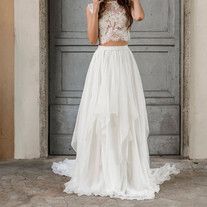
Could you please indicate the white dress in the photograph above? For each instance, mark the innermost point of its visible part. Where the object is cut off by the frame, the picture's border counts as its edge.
(111, 130)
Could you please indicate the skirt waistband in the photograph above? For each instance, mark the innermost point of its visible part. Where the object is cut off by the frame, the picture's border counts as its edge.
(122, 47)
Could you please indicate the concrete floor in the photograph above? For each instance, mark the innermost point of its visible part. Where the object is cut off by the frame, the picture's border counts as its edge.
(28, 183)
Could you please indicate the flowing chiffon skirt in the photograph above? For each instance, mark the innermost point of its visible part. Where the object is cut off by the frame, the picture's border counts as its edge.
(111, 131)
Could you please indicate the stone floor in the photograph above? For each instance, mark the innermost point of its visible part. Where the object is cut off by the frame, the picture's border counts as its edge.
(28, 183)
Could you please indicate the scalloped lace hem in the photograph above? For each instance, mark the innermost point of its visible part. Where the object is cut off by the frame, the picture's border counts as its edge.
(141, 195)
(157, 177)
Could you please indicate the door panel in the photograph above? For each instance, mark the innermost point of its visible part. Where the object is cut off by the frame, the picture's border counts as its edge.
(155, 43)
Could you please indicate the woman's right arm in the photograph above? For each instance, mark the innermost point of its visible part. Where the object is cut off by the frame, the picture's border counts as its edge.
(137, 10)
(92, 21)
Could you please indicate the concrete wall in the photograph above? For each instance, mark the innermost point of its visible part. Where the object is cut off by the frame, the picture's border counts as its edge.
(27, 100)
(6, 79)
(198, 81)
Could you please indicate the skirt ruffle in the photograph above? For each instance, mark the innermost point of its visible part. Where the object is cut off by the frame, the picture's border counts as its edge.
(111, 131)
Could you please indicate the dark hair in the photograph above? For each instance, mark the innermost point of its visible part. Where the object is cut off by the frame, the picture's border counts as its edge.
(124, 3)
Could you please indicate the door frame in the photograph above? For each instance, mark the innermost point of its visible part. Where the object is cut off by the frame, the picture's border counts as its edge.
(185, 41)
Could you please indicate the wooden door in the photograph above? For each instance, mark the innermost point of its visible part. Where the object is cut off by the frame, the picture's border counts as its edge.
(155, 43)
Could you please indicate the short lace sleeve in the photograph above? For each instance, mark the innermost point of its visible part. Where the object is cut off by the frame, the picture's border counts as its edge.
(90, 7)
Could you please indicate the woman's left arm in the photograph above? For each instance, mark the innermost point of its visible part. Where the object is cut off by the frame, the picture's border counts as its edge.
(137, 11)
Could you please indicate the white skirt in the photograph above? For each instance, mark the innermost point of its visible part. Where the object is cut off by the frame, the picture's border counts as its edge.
(111, 131)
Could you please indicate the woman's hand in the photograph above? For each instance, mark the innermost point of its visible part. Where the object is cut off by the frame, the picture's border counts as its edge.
(96, 5)
(135, 0)
(137, 10)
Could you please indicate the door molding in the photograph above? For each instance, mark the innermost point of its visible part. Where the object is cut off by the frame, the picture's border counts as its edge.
(44, 82)
(186, 41)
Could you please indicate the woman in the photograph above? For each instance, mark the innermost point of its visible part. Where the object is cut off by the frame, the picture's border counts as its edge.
(111, 130)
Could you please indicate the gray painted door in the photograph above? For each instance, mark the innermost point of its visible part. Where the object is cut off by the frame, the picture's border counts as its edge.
(155, 43)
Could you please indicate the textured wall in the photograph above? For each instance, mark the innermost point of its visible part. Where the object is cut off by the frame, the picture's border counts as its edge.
(43, 78)
(6, 79)
(27, 87)
(198, 81)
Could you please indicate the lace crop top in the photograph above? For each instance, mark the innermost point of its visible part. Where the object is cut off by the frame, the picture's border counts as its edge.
(112, 24)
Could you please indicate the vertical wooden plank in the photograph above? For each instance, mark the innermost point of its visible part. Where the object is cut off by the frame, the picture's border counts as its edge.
(6, 79)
